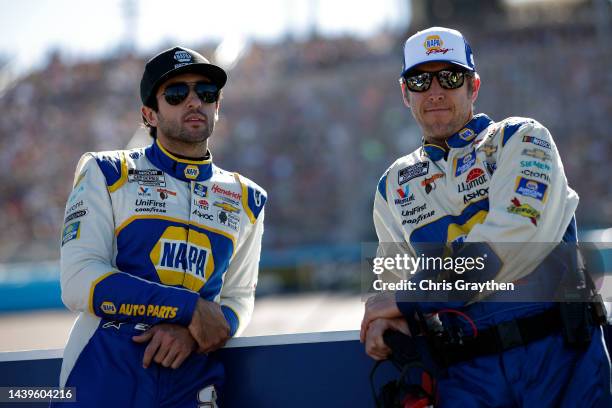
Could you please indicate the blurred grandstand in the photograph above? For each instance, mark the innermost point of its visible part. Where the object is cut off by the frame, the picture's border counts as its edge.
(315, 122)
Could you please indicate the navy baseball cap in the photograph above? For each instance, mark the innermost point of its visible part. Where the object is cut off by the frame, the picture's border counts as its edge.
(174, 61)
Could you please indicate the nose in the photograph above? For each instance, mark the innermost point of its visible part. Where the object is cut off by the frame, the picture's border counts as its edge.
(436, 92)
(193, 100)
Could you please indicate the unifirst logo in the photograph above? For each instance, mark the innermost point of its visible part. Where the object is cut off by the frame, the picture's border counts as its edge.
(433, 45)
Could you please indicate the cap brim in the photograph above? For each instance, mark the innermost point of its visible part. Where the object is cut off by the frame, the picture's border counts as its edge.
(440, 60)
(216, 75)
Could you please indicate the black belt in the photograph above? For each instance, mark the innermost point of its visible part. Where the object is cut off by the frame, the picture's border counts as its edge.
(499, 338)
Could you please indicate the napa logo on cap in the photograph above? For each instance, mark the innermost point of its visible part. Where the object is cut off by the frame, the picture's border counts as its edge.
(182, 56)
(434, 45)
(192, 172)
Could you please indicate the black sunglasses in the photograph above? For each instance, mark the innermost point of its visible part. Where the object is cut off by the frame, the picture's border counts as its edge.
(447, 78)
(178, 92)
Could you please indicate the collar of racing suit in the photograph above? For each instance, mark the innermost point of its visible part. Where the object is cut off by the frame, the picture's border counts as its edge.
(462, 138)
(182, 169)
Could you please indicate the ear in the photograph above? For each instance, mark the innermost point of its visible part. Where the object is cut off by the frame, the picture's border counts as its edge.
(405, 95)
(150, 115)
(475, 87)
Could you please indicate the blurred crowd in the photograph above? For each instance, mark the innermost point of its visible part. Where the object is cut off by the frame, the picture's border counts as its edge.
(313, 122)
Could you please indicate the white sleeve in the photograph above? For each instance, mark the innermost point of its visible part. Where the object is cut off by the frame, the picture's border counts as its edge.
(238, 291)
(529, 201)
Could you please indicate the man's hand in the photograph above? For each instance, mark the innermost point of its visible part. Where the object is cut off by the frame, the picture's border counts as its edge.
(383, 306)
(169, 345)
(208, 326)
(375, 346)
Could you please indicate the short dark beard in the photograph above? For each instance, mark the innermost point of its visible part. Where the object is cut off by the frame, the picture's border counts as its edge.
(175, 131)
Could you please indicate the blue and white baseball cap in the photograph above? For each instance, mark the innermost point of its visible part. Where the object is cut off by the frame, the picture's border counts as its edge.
(438, 44)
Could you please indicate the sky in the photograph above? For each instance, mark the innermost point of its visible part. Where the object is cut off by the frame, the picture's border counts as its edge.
(29, 29)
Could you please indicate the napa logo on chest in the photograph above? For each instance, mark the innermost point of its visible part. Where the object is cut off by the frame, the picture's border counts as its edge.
(183, 257)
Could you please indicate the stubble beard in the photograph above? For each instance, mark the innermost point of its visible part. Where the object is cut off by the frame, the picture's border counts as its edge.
(180, 133)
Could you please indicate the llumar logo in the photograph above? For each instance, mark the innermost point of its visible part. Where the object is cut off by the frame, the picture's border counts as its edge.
(434, 45)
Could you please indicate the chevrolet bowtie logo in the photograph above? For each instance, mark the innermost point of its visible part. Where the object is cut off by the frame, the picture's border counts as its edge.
(537, 153)
(488, 149)
(227, 207)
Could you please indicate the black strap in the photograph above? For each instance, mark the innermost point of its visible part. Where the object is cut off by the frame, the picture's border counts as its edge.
(504, 336)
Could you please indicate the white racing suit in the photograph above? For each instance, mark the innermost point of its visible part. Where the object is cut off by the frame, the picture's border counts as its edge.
(147, 233)
(497, 183)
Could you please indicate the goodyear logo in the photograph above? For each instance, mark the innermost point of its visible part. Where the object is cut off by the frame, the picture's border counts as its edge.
(434, 45)
(108, 308)
(192, 172)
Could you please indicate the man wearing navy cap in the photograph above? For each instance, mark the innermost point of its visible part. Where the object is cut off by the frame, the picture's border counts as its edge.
(474, 186)
(160, 251)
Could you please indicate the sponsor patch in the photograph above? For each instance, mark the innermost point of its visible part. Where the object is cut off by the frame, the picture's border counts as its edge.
(481, 192)
(192, 172)
(488, 149)
(536, 141)
(203, 215)
(531, 188)
(108, 308)
(537, 164)
(476, 177)
(144, 191)
(228, 219)
(524, 210)
(408, 173)
(150, 206)
(166, 195)
(74, 207)
(71, 232)
(466, 134)
(404, 195)
(217, 189)
(201, 203)
(226, 207)
(74, 215)
(147, 177)
(537, 154)
(536, 174)
(463, 164)
(415, 210)
(430, 183)
(434, 45)
(200, 190)
(420, 218)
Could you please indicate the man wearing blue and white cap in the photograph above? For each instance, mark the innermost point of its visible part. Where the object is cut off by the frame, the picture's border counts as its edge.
(474, 186)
